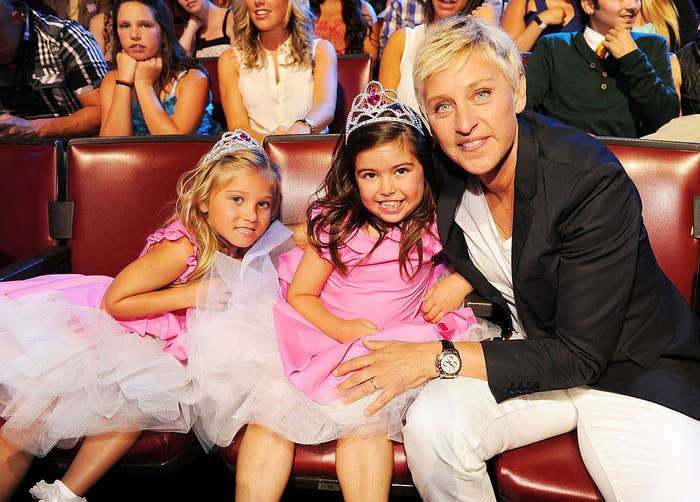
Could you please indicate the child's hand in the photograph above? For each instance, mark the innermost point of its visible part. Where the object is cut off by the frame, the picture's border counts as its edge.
(356, 328)
(126, 67)
(189, 294)
(445, 296)
(148, 71)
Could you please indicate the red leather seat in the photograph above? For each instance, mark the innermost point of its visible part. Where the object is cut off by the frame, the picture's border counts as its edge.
(28, 170)
(212, 67)
(354, 73)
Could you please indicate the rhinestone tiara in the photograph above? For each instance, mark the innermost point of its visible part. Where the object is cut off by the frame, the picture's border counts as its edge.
(233, 141)
(376, 104)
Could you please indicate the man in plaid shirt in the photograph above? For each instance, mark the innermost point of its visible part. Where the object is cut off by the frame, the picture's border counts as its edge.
(50, 71)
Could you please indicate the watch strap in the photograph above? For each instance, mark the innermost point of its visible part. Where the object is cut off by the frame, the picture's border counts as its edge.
(542, 25)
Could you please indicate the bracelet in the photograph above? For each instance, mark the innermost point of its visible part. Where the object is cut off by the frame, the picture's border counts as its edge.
(130, 85)
(542, 25)
(312, 128)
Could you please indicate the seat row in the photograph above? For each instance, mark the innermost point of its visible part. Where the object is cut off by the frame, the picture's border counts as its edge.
(87, 209)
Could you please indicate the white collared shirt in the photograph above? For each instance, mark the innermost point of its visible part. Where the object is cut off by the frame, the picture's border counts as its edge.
(592, 38)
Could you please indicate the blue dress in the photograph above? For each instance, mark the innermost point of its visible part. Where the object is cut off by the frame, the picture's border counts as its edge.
(207, 126)
(575, 24)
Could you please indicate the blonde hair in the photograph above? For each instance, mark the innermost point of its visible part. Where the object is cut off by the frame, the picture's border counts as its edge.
(663, 14)
(299, 22)
(198, 185)
(450, 42)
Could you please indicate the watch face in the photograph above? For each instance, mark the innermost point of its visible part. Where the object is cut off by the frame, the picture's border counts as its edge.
(450, 363)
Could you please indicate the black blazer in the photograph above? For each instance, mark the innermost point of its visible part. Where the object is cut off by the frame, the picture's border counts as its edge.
(595, 305)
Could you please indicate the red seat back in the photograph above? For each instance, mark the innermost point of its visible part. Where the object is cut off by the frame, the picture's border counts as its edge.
(354, 73)
(303, 161)
(123, 189)
(28, 170)
(211, 65)
(667, 176)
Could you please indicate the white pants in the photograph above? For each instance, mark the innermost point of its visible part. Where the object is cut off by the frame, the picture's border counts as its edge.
(634, 450)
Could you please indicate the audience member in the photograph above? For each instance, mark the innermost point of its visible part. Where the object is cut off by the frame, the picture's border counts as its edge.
(396, 66)
(604, 79)
(542, 220)
(663, 18)
(350, 25)
(411, 13)
(81, 11)
(689, 58)
(209, 28)
(50, 70)
(527, 20)
(155, 88)
(278, 78)
(104, 358)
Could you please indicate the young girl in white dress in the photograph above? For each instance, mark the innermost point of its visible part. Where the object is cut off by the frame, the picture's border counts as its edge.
(103, 358)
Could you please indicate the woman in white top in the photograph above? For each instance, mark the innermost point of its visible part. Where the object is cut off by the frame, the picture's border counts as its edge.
(396, 65)
(277, 79)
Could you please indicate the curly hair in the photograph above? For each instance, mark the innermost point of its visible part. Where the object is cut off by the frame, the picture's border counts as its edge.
(199, 184)
(338, 213)
(299, 21)
(172, 53)
(357, 26)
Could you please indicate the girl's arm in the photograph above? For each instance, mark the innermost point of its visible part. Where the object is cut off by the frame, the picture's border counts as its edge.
(115, 99)
(513, 22)
(236, 113)
(445, 296)
(325, 90)
(303, 294)
(390, 64)
(371, 43)
(188, 39)
(192, 96)
(138, 290)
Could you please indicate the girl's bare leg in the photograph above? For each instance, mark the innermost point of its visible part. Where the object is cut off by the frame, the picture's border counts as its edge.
(263, 466)
(14, 464)
(364, 466)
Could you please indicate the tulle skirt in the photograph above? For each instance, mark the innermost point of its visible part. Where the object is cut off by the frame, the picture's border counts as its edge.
(68, 371)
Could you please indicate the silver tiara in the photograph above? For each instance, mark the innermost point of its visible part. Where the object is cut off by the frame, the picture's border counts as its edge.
(377, 104)
(231, 142)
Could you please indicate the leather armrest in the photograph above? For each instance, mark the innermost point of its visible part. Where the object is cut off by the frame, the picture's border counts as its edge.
(481, 306)
(55, 259)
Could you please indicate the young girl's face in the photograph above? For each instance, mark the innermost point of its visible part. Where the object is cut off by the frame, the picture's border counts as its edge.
(139, 32)
(240, 211)
(268, 15)
(390, 180)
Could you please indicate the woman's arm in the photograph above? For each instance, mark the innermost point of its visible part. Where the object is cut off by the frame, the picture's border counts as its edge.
(192, 98)
(325, 90)
(138, 290)
(115, 99)
(236, 113)
(303, 294)
(188, 39)
(371, 43)
(390, 64)
(513, 22)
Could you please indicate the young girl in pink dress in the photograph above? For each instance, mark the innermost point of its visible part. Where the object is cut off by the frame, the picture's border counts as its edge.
(372, 269)
(103, 358)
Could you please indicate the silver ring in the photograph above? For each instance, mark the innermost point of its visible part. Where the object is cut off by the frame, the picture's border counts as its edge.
(371, 380)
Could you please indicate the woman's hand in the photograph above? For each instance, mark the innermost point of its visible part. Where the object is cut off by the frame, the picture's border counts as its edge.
(393, 367)
(484, 11)
(553, 16)
(445, 296)
(126, 67)
(148, 72)
(298, 128)
(193, 24)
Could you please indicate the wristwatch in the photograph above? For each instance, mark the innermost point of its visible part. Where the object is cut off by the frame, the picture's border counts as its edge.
(539, 22)
(312, 128)
(448, 362)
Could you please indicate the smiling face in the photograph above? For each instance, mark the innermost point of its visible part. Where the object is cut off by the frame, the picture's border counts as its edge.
(611, 13)
(447, 8)
(390, 180)
(268, 15)
(472, 112)
(139, 32)
(241, 210)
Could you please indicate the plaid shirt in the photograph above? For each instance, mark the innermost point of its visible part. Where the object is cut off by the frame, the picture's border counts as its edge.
(400, 14)
(56, 61)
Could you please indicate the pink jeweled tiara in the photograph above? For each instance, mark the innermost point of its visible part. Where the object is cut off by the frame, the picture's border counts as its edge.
(231, 142)
(377, 104)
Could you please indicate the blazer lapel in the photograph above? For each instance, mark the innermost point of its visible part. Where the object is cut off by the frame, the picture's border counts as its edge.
(525, 190)
(450, 196)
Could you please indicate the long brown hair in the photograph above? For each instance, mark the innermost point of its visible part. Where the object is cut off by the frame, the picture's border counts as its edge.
(338, 213)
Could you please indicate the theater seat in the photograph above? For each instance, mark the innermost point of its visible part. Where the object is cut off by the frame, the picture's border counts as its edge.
(354, 73)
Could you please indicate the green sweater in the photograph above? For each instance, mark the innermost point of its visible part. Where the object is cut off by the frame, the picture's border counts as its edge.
(629, 97)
